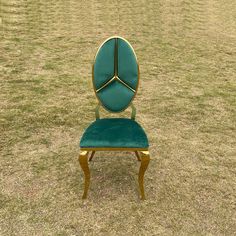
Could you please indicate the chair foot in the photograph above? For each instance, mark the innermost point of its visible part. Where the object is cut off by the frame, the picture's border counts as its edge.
(145, 158)
(83, 160)
(92, 154)
(137, 155)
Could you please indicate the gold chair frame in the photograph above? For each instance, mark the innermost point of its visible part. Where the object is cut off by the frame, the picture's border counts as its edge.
(142, 154)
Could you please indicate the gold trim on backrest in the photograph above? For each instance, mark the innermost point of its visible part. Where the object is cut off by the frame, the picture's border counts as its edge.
(135, 91)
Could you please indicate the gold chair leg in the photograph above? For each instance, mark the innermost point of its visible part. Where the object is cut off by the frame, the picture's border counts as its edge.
(137, 155)
(92, 154)
(83, 160)
(145, 158)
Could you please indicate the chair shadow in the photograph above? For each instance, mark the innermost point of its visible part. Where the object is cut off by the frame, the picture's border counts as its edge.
(113, 174)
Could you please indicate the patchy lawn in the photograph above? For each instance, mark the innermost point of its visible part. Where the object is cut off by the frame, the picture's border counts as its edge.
(186, 102)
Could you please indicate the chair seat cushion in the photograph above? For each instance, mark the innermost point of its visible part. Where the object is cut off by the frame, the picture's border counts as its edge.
(114, 133)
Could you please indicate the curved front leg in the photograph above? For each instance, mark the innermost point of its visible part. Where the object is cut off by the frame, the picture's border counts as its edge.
(83, 160)
(145, 158)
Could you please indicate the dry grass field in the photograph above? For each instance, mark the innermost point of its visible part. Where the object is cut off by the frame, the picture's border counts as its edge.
(186, 102)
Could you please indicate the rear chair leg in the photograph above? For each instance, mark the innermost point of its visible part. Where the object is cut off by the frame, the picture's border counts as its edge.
(145, 158)
(92, 154)
(83, 160)
(137, 155)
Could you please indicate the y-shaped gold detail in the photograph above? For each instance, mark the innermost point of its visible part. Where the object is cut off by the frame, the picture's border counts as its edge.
(108, 82)
(112, 79)
(125, 84)
(83, 160)
(115, 77)
(145, 158)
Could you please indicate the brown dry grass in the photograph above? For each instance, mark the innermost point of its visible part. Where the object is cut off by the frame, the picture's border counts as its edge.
(186, 103)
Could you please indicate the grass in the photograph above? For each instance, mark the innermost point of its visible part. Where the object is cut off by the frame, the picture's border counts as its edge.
(186, 102)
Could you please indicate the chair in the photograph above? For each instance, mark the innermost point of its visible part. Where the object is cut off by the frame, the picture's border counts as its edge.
(115, 81)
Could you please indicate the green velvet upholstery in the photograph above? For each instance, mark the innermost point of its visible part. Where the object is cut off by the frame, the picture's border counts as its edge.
(104, 64)
(116, 96)
(114, 133)
(127, 64)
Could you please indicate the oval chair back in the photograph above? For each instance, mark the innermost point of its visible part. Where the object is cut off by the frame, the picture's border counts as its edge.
(115, 74)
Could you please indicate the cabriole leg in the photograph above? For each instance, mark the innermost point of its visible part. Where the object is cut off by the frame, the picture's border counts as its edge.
(83, 160)
(145, 158)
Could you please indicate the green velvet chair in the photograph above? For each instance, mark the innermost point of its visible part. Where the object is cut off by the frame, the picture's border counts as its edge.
(115, 82)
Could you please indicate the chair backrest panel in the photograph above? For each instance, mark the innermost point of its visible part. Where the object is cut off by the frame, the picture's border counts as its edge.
(115, 74)
(104, 64)
(127, 64)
